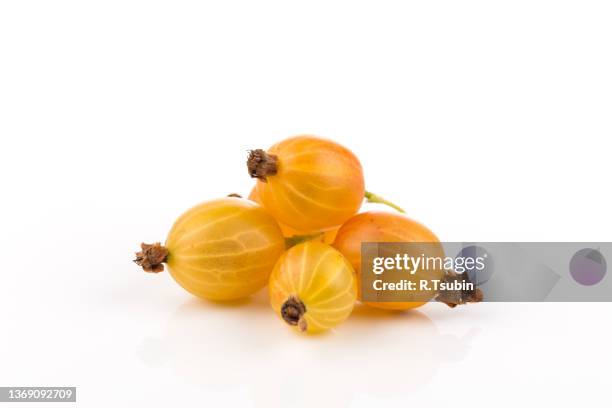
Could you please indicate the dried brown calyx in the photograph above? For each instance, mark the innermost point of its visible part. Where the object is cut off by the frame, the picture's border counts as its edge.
(261, 164)
(459, 296)
(152, 257)
(293, 311)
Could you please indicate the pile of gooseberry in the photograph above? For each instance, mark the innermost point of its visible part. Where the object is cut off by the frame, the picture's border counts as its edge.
(299, 232)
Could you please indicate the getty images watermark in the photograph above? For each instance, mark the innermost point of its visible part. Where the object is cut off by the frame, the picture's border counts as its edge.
(500, 271)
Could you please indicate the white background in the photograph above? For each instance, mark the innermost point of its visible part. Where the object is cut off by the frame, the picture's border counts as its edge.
(486, 120)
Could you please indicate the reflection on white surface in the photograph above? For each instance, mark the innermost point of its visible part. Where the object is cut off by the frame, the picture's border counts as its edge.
(224, 346)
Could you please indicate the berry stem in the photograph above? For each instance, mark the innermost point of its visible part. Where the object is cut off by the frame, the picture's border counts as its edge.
(375, 198)
(152, 257)
(298, 239)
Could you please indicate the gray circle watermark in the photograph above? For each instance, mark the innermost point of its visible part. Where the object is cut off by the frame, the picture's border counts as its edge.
(479, 276)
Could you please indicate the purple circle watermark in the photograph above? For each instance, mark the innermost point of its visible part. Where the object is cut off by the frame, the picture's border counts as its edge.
(588, 267)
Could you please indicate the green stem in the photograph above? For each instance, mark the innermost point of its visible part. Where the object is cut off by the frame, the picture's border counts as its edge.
(374, 198)
(298, 239)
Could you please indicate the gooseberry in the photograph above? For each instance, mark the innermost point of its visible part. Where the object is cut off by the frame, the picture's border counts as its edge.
(308, 183)
(377, 226)
(220, 250)
(313, 287)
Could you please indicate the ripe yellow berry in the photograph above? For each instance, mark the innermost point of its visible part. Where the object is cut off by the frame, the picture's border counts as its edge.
(313, 287)
(308, 183)
(220, 250)
(377, 226)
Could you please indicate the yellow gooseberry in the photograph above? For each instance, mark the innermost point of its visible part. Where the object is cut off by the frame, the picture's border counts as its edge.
(375, 226)
(324, 236)
(220, 250)
(308, 183)
(313, 287)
